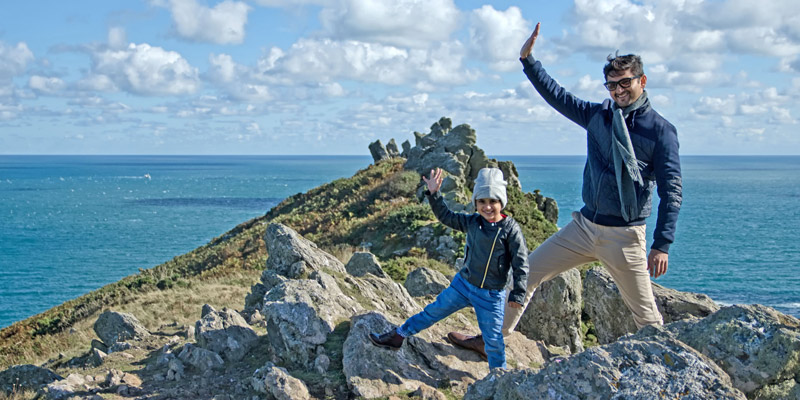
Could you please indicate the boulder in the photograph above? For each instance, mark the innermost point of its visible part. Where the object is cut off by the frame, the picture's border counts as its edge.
(612, 318)
(224, 332)
(200, 358)
(276, 382)
(255, 299)
(378, 152)
(66, 388)
(382, 295)
(554, 313)
(300, 315)
(26, 377)
(630, 368)
(96, 358)
(391, 149)
(112, 327)
(425, 281)
(293, 256)
(758, 347)
(362, 263)
(406, 148)
(425, 358)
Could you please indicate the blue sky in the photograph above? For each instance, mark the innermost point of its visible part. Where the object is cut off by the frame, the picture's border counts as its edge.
(331, 76)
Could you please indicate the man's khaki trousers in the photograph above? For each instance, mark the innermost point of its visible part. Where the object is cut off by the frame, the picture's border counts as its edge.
(620, 248)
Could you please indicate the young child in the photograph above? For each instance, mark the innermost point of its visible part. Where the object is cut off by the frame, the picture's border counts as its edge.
(494, 245)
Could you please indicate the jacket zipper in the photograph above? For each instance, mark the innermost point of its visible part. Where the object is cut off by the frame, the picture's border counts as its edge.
(486, 271)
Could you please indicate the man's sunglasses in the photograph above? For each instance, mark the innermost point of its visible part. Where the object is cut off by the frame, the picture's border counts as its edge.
(625, 83)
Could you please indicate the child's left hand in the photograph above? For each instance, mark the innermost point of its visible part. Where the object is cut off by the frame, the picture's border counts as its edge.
(435, 182)
(514, 304)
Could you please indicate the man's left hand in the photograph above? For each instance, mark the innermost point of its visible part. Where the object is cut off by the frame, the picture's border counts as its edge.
(657, 263)
(514, 304)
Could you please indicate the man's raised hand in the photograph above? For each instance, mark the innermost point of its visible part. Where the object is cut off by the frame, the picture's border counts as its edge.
(527, 48)
(435, 181)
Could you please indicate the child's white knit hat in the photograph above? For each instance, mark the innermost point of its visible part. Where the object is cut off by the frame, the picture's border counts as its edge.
(490, 185)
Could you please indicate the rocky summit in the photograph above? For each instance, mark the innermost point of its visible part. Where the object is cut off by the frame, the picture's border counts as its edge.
(281, 307)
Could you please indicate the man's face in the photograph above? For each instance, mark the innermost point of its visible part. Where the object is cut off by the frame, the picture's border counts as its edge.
(625, 96)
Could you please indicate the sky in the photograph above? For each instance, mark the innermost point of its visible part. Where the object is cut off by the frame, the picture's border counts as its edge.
(331, 76)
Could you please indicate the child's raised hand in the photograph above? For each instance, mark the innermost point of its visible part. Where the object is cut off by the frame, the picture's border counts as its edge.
(435, 181)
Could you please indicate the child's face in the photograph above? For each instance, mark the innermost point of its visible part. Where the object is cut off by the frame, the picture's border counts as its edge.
(490, 209)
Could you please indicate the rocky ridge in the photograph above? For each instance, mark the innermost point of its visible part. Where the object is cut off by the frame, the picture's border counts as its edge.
(301, 333)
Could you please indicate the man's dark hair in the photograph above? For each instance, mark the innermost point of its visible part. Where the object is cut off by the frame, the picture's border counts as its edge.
(618, 64)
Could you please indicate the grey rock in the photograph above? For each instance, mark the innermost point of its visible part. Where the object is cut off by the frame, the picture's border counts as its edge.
(406, 148)
(276, 382)
(425, 392)
(627, 369)
(26, 377)
(255, 299)
(425, 358)
(200, 358)
(382, 295)
(612, 318)
(65, 388)
(757, 346)
(96, 358)
(363, 263)
(176, 370)
(554, 313)
(96, 344)
(301, 313)
(550, 210)
(112, 327)
(293, 256)
(119, 346)
(225, 332)
(424, 281)
(378, 152)
(391, 149)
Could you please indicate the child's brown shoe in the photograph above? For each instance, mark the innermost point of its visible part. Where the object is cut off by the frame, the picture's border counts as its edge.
(389, 340)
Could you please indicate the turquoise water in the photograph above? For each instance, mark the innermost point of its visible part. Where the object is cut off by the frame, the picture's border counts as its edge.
(71, 224)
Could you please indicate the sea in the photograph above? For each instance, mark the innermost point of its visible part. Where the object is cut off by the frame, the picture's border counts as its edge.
(71, 224)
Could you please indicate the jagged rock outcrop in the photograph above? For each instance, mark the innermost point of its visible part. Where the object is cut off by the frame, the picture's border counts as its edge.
(758, 347)
(391, 149)
(224, 332)
(26, 377)
(547, 205)
(378, 152)
(425, 281)
(112, 327)
(424, 359)
(630, 368)
(363, 263)
(612, 318)
(293, 256)
(276, 382)
(554, 312)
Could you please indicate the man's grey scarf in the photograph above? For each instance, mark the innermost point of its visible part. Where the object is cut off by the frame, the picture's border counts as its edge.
(626, 166)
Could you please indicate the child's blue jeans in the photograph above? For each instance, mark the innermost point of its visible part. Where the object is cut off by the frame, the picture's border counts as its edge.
(489, 307)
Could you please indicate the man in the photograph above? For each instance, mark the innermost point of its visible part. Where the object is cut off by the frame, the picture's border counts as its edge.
(630, 149)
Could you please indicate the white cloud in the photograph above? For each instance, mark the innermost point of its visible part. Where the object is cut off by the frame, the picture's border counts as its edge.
(46, 85)
(495, 36)
(326, 60)
(144, 70)
(14, 59)
(407, 23)
(690, 38)
(222, 24)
